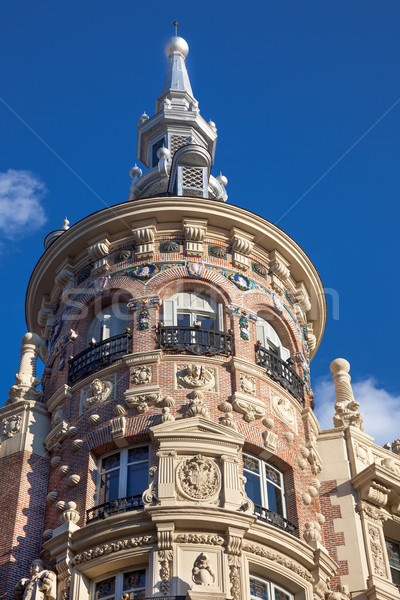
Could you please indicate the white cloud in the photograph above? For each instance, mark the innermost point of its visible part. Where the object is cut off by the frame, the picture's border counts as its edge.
(21, 209)
(380, 409)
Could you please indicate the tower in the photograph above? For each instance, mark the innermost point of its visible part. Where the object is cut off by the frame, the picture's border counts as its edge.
(174, 451)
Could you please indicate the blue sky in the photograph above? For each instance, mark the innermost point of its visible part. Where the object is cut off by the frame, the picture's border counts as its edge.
(291, 86)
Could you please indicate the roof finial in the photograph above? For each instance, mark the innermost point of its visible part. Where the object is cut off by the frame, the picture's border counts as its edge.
(176, 27)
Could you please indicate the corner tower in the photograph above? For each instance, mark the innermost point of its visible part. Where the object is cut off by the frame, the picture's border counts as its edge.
(176, 331)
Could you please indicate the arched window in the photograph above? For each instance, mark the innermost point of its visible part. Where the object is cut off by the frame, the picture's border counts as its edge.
(109, 322)
(191, 309)
(264, 486)
(270, 340)
(132, 583)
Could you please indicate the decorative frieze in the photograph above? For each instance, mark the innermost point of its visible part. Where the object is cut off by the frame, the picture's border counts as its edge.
(195, 231)
(196, 377)
(281, 559)
(111, 547)
(142, 398)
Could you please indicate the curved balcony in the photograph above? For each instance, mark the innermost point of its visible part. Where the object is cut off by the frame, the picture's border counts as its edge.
(280, 371)
(272, 518)
(102, 511)
(193, 340)
(98, 356)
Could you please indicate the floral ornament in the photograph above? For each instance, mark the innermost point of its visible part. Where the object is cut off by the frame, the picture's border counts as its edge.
(241, 281)
(244, 319)
(278, 304)
(244, 327)
(144, 317)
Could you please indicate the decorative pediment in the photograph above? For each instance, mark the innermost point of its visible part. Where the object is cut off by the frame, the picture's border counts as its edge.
(198, 430)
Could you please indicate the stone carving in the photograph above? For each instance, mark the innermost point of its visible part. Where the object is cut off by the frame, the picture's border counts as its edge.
(57, 415)
(165, 558)
(372, 512)
(312, 532)
(96, 393)
(56, 437)
(288, 436)
(197, 407)
(26, 380)
(202, 574)
(12, 425)
(150, 495)
(42, 584)
(166, 415)
(281, 559)
(283, 409)
(217, 251)
(396, 446)
(122, 255)
(247, 384)
(345, 406)
(94, 419)
(141, 400)
(73, 480)
(251, 408)
(199, 538)
(227, 419)
(376, 493)
(342, 593)
(70, 513)
(259, 269)
(118, 426)
(313, 456)
(195, 377)
(131, 542)
(142, 375)
(376, 551)
(170, 246)
(234, 563)
(270, 439)
(199, 478)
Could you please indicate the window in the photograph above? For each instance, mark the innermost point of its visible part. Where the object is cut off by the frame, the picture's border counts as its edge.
(393, 550)
(190, 309)
(124, 474)
(260, 589)
(132, 583)
(264, 486)
(111, 321)
(270, 340)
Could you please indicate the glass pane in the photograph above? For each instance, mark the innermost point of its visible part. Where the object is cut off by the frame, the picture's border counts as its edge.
(250, 463)
(206, 322)
(253, 488)
(137, 480)
(105, 588)
(111, 462)
(395, 577)
(134, 580)
(280, 595)
(183, 320)
(258, 589)
(272, 475)
(109, 486)
(136, 454)
(393, 550)
(275, 499)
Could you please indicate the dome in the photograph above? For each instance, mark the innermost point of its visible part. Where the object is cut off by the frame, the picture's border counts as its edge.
(176, 44)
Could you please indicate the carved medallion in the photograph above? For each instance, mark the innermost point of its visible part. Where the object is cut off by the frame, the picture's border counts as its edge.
(97, 393)
(11, 426)
(198, 478)
(283, 409)
(142, 375)
(247, 384)
(195, 377)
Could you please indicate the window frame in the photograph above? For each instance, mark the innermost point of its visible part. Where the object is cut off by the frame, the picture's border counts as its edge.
(118, 576)
(172, 308)
(271, 588)
(115, 326)
(391, 567)
(263, 465)
(270, 339)
(123, 469)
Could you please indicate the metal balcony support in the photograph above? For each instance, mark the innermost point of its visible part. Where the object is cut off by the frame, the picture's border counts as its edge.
(194, 340)
(274, 519)
(102, 511)
(98, 356)
(280, 371)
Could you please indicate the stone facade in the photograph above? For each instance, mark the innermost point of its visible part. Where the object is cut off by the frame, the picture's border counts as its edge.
(172, 450)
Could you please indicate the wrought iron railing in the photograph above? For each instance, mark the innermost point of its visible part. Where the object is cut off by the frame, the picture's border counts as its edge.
(194, 340)
(98, 356)
(274, 519)
(280, 371)
(102, 511)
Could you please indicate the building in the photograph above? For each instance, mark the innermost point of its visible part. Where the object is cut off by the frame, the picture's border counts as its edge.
(173, 450)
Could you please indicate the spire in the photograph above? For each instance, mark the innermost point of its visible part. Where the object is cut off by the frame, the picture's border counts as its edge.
(176, 77)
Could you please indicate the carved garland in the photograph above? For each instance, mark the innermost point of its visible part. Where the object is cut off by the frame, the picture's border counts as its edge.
(280, 559)
(133, 542)
(196, 538)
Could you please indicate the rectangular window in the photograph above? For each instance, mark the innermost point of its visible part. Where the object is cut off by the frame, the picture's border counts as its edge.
(132, 583)
(261, 589)
(124, 474)
(393, 550)
(264, 485)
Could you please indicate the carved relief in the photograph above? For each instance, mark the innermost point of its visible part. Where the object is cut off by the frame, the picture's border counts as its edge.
(150, 495)
(12, 425)
(42, 584)
(283, 409)
(371, 512)
(131, 542)
(198, 478)
(251, 408)
(142, 375)
(57, 415)
(376, 551)
(281, 559)
(202, 574)
(197, 377)
(141, 400)
(199, 538)
(165, 559)
(248, 384)
(362, 453)
(96, 393)
(197, 407)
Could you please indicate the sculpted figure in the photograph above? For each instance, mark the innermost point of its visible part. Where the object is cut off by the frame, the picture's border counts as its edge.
(42, 584)
(97, 393)
(196, 377)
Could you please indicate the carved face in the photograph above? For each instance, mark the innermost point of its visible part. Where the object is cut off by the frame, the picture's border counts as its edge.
(97, 387)
(36, 567)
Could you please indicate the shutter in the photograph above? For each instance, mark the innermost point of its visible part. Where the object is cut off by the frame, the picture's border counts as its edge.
(261, 334)
(220, 324)
(169, 312)
(285, 353)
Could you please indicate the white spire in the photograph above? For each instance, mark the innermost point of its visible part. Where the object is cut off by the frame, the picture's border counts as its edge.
(176, 77)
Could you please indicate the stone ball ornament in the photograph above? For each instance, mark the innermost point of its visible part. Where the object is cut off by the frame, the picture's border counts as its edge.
(176, 44)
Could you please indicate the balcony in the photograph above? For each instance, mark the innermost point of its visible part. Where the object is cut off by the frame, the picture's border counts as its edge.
(280, 371)
(102, 511)
(98, 356)
(268, 516)
(193, 340)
